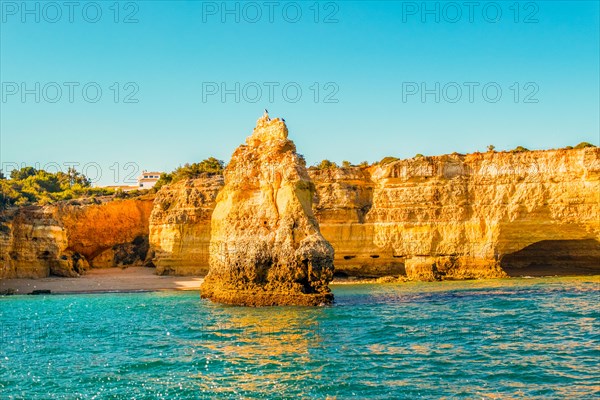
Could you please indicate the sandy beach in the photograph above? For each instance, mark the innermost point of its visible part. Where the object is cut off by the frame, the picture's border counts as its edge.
(104, 280)
(132, 279)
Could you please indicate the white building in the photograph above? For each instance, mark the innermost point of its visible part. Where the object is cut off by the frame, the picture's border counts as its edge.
(148, 179)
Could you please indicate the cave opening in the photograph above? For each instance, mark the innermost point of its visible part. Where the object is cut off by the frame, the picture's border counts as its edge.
(340, 274)
(554, 257)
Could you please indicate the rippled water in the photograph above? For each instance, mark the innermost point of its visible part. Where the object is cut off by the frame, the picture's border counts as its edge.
(521, 338)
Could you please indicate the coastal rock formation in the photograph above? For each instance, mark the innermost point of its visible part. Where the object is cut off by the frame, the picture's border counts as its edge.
(67, 238)
(480, 215)
(180, 225)
(461, 217)
(265, 247)
(464, 216)
(33, 243)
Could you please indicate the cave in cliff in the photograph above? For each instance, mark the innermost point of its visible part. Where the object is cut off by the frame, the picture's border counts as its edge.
(554, 257)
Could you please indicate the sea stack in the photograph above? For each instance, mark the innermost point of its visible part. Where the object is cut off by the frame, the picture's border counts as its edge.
(266, 248)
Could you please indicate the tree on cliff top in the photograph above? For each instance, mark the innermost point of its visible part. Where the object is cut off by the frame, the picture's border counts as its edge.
(210, 166)
(387, 160)
(325, 164)
(31, 186)
(73, 177)
(23, 173)
(583, 145)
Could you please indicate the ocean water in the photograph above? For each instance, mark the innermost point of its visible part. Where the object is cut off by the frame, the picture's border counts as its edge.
(517, 338)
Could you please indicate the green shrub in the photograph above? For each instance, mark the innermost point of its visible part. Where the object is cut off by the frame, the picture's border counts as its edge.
(387, 160)
(23, 173)
(519, 149)
(326, 164)
(210, 166)
(583, 145)
(30, 186)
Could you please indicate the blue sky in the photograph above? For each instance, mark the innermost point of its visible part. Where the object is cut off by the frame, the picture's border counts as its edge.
(369, 60)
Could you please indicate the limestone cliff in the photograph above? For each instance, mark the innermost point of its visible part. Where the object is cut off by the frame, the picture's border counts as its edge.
(66, 238)
(180, 225)
(443, 217)
(459, 217)
(34, 246)
(448, 217)
(265, 247)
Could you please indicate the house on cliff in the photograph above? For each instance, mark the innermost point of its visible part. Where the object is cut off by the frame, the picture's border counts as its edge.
(148, 179)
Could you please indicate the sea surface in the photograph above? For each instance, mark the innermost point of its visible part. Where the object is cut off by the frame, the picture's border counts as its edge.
(496, 339)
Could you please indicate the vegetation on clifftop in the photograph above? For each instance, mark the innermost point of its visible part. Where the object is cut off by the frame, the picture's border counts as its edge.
(387, 160)
(325, 164)
(32, 186)
(583, 145)
(210, 166)
(519, 149)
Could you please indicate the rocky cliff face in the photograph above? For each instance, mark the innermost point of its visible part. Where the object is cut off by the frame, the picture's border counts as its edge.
(180, 225)
(445, 217)
(453, 216)
(266, 248)
(67, 238)
(34, 246)
(460, 217)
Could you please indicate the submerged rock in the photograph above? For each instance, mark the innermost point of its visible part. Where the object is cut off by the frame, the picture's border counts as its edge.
(266, 247)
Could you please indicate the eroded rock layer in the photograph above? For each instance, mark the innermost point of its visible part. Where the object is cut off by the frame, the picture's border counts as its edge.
(456, 217)
(67, 238)
(443, 217)
(180, 225)
(266, 248)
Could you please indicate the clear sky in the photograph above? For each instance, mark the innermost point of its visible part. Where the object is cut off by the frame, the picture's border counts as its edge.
(362, 68)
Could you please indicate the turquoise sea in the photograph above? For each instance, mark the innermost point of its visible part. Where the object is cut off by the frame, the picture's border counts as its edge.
(496, 339)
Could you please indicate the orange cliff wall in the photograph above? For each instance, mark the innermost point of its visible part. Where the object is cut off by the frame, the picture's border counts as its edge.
(66, 238)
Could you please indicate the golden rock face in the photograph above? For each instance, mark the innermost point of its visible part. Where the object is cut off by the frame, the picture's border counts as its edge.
(461, 217)
(481, 215)
(180, 225)
(444, 217)
(265, 247)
